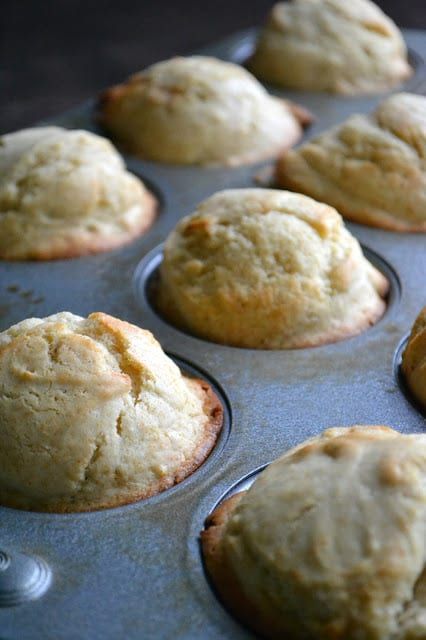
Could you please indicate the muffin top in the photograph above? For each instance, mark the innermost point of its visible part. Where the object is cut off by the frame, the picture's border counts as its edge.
(340, 558)
(93, 414)
(66, 193)
(268, 269)
(331, 45)
(414, 359)
(371, 167)
(198, 110)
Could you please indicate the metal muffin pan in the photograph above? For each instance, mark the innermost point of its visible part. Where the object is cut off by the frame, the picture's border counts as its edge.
(135, 572)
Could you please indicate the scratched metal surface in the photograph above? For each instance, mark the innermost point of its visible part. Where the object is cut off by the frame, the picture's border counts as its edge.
(135, 572)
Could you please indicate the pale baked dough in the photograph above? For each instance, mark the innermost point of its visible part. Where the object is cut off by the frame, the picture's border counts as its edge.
(372, 168)
(66, 193)
(198, 110)
(93, 414)
(267, 269)
(330, 541)
(340, 46)
(414, 359)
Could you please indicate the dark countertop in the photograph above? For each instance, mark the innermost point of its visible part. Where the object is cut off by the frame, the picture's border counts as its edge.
(56, 54)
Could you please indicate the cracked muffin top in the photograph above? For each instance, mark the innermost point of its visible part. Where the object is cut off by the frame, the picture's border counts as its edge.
(340, 46)
(261, 268)
(93, 414)
(66, 193)
(330, 541)
(414, 359)
(372, 168)
(199, 110)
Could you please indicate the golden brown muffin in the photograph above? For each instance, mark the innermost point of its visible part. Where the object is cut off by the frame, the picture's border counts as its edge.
(66, 193)
(93, 414)
(414, 359)
(199, 110)
(331, 45)
(372, 168)
(268, 269)
(330, 541)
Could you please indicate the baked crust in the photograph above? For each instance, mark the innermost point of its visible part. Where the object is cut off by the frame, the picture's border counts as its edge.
(95, 415)
(65, 194)
(414, 359)
(76, 244)
(371, 168)
(223, 579)
(182, 111)
(264, 269)
(339, 47)
(214, 422)
(340, 561)
(329, 192)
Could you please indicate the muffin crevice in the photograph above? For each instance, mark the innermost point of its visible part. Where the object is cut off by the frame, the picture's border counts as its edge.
(371, 167)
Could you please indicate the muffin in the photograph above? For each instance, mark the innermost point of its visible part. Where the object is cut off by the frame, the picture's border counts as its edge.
(199, 110)
(269, 269)
(93, 414)
(414, 360)
(66, 193)
(331, 45)
(330, 541)
(372, 168)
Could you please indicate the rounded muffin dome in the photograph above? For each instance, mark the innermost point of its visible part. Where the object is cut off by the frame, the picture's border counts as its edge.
(66, 193)
(371, 167)
(331, 45)
(330, 541)
(198, 110)
(93, 414)
(414, 359)
(260, 268)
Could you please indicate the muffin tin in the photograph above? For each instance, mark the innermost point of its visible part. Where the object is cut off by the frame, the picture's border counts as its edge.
(136, 572)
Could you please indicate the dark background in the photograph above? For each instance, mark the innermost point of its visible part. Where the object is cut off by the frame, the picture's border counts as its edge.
(55, 54)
